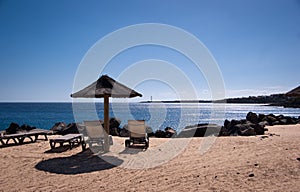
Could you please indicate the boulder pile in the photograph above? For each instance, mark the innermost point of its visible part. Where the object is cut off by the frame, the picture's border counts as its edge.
(62, 128)
(167, 133)
(254, 124)
(14, 128)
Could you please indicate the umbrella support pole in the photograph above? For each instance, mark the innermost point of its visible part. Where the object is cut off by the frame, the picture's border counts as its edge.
(106, 122)
(106, 87)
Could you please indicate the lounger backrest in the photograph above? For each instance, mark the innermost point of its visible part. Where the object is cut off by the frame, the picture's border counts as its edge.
(137, 128)
(94, 129)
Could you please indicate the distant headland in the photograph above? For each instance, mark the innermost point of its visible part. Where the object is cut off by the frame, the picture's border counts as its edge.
(289, 99)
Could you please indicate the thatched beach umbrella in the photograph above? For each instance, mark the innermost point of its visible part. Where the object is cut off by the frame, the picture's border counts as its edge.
(106, 87)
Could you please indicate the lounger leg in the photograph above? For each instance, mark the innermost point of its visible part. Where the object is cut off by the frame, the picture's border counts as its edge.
(83, 145)
(8, 141)
(21, 140)
(71, 144)
(36, 137)
(16, 142)
(52, 144)
(32, 140)
(82, 142)
(2, 142)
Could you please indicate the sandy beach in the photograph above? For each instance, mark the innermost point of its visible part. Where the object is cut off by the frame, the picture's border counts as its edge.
(255, 163)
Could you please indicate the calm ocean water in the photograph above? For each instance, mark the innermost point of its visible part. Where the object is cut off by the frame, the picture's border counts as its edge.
(157, 115)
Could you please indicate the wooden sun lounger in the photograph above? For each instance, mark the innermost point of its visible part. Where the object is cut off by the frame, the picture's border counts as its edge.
(96, 134)
(71, 139)
(19, 138)
(137, 133)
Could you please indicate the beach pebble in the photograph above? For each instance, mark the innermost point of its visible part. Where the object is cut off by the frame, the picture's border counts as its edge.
(251, 175)
(264, 137)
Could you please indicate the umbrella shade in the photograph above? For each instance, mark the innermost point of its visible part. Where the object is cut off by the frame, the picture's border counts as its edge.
(106, 86)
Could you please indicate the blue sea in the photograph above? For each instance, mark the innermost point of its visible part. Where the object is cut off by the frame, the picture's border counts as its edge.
(157, 115)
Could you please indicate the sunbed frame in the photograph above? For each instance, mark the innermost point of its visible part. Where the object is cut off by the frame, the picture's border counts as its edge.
(71, 139)
(18, 138)
(137, 133)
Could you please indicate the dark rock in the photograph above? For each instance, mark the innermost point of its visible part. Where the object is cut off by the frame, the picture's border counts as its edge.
(259, 129)
(27, 127)
(263, 123)
(114, 126)
(114, 131)
(261, 117)
(295, 120)
(160, 134)
(286, 120)
(62, 129)
(290, 120)
(252, 117)
(271, 115)
(230, 129)
(58, 127)
(234, 122)
(71, 128)
(248, 132)
(114, 122)
(170, 132)
(244, 121)
(244, 129)
(276, 123)
(124, 132)
(283, 121)
(280, 117)
(13, 128)
(271, 119)
(224, 131)
(226, 123)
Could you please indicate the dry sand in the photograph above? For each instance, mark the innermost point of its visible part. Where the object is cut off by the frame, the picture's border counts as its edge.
(230, 164)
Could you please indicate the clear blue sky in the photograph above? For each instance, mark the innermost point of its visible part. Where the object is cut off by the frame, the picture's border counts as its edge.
(255, 42)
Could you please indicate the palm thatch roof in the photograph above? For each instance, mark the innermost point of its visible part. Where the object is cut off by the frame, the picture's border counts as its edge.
(106, 86)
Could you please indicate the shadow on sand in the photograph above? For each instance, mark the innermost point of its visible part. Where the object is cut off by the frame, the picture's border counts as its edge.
(15, 144)
(135, 149)
(60, 149)
(83, 162)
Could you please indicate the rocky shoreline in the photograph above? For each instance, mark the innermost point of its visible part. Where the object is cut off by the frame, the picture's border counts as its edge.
(253, 124)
